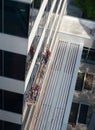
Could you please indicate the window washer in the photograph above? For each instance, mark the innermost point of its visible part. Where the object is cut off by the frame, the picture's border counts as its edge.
(32, 51)
(48, 53)
(35, 94)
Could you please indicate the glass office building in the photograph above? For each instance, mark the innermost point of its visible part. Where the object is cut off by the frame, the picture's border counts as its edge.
(26, 24)
(21, 22)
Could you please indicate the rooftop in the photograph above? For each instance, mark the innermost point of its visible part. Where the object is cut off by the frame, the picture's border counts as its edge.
(78, 27)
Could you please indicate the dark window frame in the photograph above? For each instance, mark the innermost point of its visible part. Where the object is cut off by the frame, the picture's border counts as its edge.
(86, 55)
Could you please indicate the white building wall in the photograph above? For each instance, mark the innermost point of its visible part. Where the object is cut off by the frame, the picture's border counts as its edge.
(12, 85)
(13, 44)
(10, 117)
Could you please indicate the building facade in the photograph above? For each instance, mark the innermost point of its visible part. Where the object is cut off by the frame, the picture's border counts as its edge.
(26, 27)
(23, 23)
(14, 21)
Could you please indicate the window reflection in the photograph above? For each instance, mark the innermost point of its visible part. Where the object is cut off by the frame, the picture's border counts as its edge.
(83, 114)
(88, 82)
(4, 125)
(0, 15)
(91, 55)
(0, 62)
(11, 126)
(88, 55)
(11, 101)
(84, 54)
(80, 80)
(0, 99)
(14, 65)
(16, 17)
(73, 113)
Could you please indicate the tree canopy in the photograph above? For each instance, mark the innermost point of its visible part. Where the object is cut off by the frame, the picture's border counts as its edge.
(87, 6)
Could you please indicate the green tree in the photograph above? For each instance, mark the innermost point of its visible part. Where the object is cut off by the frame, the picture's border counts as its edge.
(87, 6)
(37, 4)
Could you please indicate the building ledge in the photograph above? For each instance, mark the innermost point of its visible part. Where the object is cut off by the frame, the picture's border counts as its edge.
(78, 27)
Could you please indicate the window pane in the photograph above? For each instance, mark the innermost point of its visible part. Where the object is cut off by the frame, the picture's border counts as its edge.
(0, 99)
(16, 18)
(73, 113)
(13, 102)
(88, 82)
(83, 114)
(0, 125)
(11, 126)
(91, 55)
(0, 15)
(84, 53)
(0, 62)
(14, 65)
(80, 80)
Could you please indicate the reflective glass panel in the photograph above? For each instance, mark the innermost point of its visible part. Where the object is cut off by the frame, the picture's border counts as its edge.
(91, 55)
(0, 98)
(12, 102)
(14, 65)
(0, 15)
(83, 114)
(0, 62)
(11, 126)
(16, 18)
(73, 113)
(0, 124)
(84, 53)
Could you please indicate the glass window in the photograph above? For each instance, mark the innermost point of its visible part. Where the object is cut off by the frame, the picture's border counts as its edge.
(0, 125)
(16, 18)
(0, 99)
(0, 15)
(83, 114)
(0, 62)
(84, 53)
(13, 102)
(14, 65)
(73, 113)
(11, 126)
(91, 55)
(88, 81)
(80, 80)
